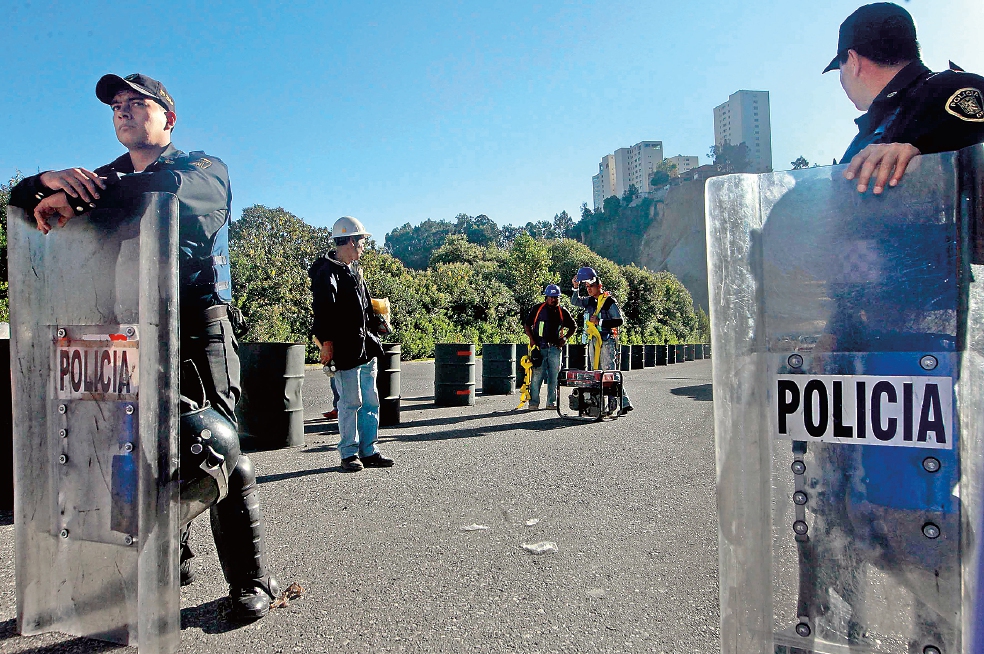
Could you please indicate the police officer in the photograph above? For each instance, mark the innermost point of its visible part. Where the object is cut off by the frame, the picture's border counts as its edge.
(144, 117)
(909, 110)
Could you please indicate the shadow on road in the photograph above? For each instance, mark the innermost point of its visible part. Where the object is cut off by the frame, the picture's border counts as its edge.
(486, 430)
(701, 393)
(264, 479)
(8, 630)
(211, 617)
(6, 518)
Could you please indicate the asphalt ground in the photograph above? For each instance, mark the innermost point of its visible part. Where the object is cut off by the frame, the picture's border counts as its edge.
(386, 566)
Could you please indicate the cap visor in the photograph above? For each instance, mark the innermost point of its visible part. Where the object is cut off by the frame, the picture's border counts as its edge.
(834, 64)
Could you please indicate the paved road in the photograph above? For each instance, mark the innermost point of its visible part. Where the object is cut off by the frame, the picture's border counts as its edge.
(387, 567)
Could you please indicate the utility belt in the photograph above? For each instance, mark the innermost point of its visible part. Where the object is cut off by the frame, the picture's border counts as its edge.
(201, 318)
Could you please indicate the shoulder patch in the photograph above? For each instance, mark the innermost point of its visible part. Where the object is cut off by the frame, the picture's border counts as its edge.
(202, 163)
(967, 104)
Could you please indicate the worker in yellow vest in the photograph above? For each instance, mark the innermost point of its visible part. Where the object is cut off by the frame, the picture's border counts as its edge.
(548, 326)
(602, 319)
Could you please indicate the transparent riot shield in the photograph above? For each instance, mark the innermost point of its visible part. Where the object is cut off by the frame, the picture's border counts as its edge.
(848, 334)
(93, 334)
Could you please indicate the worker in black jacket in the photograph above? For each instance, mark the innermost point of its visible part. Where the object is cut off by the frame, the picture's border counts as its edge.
(347, 329)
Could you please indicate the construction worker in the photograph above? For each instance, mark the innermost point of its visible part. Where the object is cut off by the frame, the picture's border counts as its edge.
(602, 319)
(545, 326)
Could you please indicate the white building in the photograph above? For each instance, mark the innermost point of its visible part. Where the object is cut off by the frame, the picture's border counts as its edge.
(628, 166)
(683, 163)
(603, 184)
(744, 118)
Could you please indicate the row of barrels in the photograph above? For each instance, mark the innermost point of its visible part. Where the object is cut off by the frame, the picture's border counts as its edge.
(502, 372)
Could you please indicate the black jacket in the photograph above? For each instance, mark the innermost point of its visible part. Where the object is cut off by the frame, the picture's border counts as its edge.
(201, 184)
(936, 112)
(343, 313)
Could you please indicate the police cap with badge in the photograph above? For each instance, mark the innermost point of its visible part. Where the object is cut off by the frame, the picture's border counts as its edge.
(109, 85)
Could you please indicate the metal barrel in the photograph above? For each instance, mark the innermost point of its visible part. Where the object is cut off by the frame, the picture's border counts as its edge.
(698, 351)
(563, 356)
(498, 368)
(660, 355)
(707, 350)
(521, 350)
(271, 409)
(649, 356)
(576, 356)
(689, 352)
(454, 374)
(637, 357)
(681, 352)
(625, 358)
(388, 385)
(670, 354)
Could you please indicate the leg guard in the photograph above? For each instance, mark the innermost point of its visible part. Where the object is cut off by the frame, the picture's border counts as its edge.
(237, 525)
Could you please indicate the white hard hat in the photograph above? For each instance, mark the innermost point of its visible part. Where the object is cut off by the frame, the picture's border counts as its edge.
(348, 226)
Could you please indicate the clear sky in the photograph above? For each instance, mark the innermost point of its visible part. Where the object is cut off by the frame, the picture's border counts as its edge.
(399, 112)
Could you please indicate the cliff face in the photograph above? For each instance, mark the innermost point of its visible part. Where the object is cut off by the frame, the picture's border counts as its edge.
(665, 232)
(675, 241)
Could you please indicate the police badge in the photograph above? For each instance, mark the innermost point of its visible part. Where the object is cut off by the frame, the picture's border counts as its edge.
(967, 104)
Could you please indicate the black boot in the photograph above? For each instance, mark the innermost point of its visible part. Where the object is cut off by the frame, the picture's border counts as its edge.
(237, 525)
(188, 575)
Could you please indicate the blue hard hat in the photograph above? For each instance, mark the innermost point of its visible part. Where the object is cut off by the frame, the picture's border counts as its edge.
(586, 274)
(552, 290)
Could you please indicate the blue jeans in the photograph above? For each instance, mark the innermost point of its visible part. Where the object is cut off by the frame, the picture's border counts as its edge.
(358, 410)
(550, 368)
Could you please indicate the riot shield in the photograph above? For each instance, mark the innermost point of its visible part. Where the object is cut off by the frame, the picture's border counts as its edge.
(94, 331)
(848, 382)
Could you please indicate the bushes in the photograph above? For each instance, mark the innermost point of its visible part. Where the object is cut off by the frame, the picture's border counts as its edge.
(469, 292)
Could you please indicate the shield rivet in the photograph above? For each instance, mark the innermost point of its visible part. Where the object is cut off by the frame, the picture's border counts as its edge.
(931, 464)
(928, 362)
(130, 331)
(803, 629)
(63, 533)
(62, 459)
(798, 467)
(799, 497)
(129, 409)
(196, 448)
(62, 408)
(63, 433)
(930, 530)
(931, 649)
(795, 361)
(800, 528)
(127, 447)
(128, 540)
(61, 332)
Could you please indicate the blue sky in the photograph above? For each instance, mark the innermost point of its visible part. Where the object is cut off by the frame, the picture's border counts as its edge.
(399, 112)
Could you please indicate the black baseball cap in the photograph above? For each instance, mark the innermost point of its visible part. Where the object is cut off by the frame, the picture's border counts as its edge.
(109, 85)
(871, 28)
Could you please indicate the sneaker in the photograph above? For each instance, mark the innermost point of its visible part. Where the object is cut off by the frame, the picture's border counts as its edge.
(188, 575)
(377, 460)
(351, 464)
(625, 410)
(533, 407)
(331, 415)
(551, 406)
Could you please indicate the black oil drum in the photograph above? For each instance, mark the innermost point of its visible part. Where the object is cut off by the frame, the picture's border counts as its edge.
(689, 352)
(649, 356)
(388, 385)
(454, 374)
(681, 352)
(625, 358)
(660, 355)
(707, 350)
(499, 369)
(6, 427)
(637, 357)
(698, 351)
(271, 409)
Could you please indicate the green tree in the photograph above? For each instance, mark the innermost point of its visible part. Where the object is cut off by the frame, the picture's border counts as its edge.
(562, 224)
(414, 244)
(270, 253)
(729, 158)
(800, 163)
(4, 285)
(662, 173)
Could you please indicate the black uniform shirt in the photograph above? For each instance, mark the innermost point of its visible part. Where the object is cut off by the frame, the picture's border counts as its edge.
(935, 112)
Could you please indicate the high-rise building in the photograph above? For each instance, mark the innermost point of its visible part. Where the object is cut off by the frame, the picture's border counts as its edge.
(683, 163)
(603, 184)
(628, 166)
(744, 118)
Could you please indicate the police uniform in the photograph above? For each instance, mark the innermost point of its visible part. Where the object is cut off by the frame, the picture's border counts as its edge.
(201, 184)
(935, 112)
